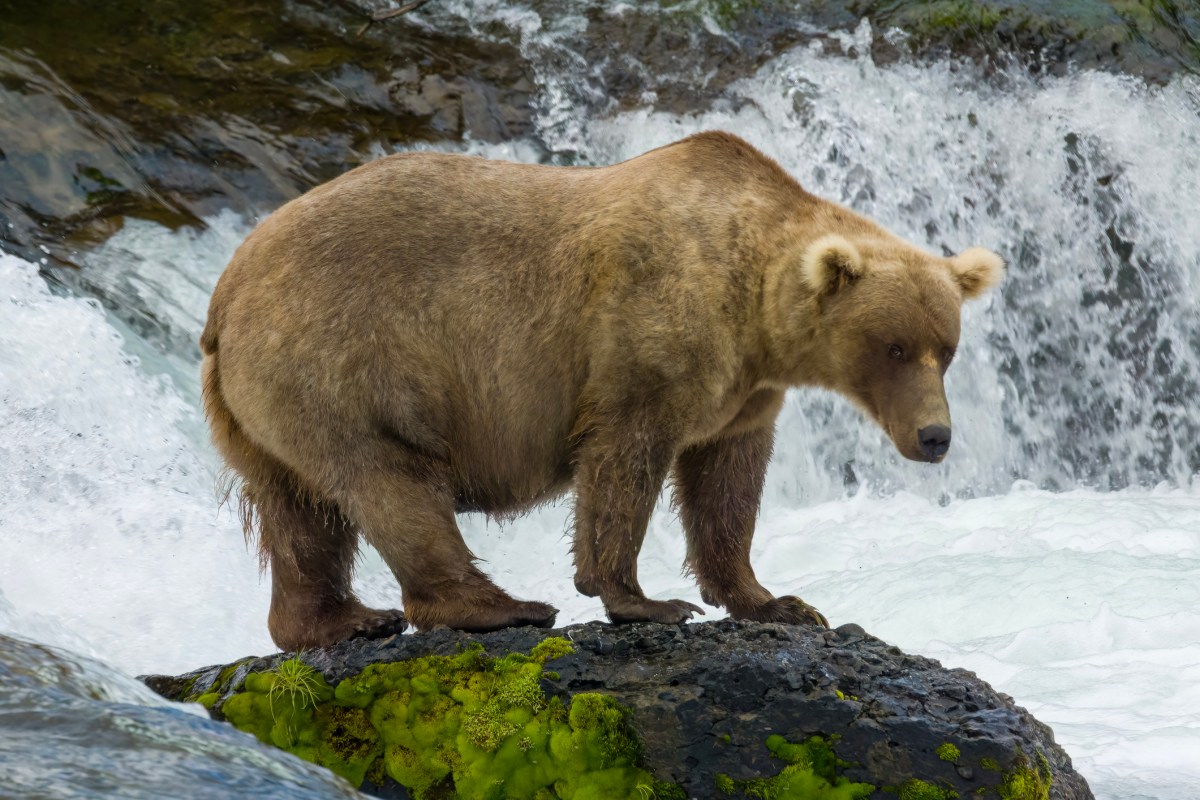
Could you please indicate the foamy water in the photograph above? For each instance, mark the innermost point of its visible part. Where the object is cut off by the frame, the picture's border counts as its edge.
(1081, 602)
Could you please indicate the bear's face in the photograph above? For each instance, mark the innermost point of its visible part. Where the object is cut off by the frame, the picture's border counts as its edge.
(889, 318)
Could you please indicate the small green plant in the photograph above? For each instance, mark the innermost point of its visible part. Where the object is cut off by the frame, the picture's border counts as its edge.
(914, 789)
(296, 681)
(948, 752)
(1027, 780)
(811, 773)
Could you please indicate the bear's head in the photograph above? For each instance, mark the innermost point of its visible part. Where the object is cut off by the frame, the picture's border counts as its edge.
(879, 320)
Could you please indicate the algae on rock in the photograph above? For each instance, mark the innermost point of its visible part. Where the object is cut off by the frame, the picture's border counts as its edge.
(811, 774)
(469, 724)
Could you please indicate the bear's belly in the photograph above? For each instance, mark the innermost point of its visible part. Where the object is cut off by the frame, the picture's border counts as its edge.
(514, 493)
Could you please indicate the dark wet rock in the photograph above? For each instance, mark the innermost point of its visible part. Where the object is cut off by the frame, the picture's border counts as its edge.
(1149, 40)
(681, 56)
(173, 110)
(706, 696)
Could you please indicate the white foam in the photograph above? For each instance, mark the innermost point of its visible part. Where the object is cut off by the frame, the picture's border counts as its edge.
(160, 281)
(108, 516)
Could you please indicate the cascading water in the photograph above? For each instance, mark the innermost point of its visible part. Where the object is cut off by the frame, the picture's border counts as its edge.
(1056, 551)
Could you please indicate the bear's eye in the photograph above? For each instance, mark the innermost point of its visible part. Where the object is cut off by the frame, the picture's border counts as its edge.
(947, 355)
(896, 351)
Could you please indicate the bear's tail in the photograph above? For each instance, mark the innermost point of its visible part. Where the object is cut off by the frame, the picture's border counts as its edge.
(250, 473)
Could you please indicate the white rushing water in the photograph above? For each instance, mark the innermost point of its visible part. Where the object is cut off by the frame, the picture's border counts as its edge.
(1083, 603)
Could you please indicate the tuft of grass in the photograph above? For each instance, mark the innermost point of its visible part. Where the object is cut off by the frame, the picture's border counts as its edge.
(296, 682)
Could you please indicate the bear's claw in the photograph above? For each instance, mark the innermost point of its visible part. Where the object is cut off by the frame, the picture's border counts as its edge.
(500, 612)
(788, 609)
(669, 612)
(539, 615)
(380, 625)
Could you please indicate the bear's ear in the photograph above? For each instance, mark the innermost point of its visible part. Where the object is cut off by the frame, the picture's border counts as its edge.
(830, 263)
(976, 271)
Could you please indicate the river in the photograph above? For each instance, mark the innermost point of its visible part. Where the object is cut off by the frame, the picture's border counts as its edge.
(1056, 552)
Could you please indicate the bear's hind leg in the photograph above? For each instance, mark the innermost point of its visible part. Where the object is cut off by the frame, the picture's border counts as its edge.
(307, 544)
(718, 487)
(310, 548)
(406, 512)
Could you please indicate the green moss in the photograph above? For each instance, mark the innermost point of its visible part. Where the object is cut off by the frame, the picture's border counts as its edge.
(957, 16)
(186, 690)
(722, 11)
(1027, 781)
(811, 774)
(219, 686)
(208, 699)
(989, 764)
(551, 648)
(914, 789)
(98, 188)
(948, 752)
(660, 790)
(466, 725)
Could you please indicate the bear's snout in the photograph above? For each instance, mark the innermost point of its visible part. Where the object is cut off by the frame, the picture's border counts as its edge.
(934, 441)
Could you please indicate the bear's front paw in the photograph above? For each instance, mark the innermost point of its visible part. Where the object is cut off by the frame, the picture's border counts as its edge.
(639, 609)
(788, 609)
(379, 624)
(539, 615)
(479, 613)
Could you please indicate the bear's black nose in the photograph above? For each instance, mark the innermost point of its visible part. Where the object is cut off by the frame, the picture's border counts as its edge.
(934, 440)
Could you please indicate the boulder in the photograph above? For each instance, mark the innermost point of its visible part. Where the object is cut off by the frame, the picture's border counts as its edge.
(714, 709)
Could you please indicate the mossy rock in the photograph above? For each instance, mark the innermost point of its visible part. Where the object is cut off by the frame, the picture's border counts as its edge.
(749, 710)
(1149, 38)
(467, 725)
(172, 110)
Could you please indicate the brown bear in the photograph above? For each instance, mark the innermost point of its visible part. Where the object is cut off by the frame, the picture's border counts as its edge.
(432, 333)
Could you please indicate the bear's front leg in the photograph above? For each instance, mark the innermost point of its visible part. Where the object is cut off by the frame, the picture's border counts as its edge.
(619, 475)
(718, 488)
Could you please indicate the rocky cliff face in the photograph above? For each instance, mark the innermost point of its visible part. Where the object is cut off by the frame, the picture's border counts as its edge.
(721, 709)
(176, 109)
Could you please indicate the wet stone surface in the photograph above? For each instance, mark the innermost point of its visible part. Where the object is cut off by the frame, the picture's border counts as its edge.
(173, 110)
(706, 696)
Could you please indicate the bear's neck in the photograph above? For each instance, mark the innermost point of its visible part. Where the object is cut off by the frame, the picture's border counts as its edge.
(793, 347)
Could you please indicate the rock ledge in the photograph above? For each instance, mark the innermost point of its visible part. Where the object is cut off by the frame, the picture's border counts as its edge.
(705, 698)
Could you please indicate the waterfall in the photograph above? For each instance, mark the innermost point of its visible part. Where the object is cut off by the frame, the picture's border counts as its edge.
(1056, 551)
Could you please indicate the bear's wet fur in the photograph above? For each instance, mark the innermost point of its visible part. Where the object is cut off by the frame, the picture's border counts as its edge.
(433, 333)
